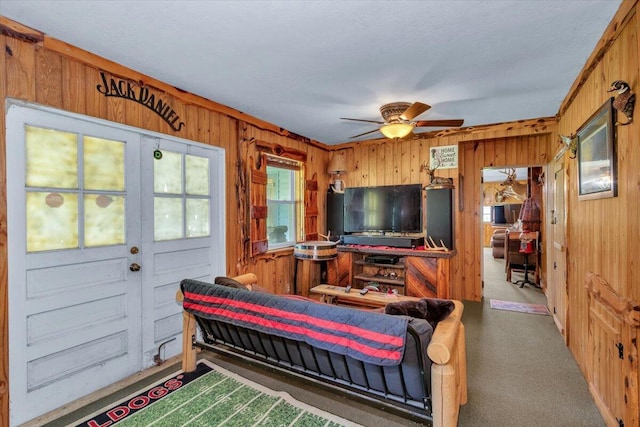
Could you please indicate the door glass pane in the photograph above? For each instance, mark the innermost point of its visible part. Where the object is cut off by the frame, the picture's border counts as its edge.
(167, 213)
(197, 175)
(104, 220)
(103, 164)
(52, 158)
(167, 173)
(52, 221)
(197, 217)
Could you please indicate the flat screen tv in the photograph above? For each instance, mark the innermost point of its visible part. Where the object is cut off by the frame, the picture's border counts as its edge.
(506, 214)
(390, 208)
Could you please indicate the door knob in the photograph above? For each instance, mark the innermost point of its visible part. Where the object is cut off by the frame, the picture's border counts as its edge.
(134, 267)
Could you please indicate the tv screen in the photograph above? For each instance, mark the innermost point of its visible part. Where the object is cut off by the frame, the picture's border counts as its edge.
(407, 209)
(394, 208)
(506, 214)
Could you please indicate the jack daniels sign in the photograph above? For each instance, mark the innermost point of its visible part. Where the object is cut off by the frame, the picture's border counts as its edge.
(126, 89)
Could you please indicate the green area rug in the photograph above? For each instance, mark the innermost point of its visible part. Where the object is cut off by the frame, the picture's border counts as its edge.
(211, 396)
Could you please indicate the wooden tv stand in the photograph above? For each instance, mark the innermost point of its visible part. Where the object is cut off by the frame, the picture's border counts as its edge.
(418, 273)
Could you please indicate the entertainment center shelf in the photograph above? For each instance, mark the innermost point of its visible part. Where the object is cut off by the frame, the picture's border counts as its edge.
(383, 280)
(419, 273)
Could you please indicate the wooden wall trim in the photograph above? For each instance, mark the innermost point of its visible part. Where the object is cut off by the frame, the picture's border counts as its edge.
(279, 150)
(539, 126)
(17, 30)
(613, 323)
(625, 12)
(625, 307)
(4, 272)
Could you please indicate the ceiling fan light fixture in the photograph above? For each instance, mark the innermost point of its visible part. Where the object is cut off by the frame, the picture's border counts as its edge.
(396, 130)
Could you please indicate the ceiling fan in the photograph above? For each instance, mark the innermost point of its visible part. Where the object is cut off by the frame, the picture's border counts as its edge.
(398, 118)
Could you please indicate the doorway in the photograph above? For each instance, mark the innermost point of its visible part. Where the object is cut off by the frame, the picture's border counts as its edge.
(104, 221)
(507, 195)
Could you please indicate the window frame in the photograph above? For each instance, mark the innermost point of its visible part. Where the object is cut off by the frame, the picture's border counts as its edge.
(297, 194)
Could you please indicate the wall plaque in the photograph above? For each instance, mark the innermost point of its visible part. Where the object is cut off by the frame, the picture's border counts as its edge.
(120, 88)
(443, 157)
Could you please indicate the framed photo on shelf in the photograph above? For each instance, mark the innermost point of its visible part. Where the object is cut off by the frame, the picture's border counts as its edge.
(596, 155)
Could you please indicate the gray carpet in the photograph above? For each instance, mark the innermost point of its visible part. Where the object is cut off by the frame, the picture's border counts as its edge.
(520, 373)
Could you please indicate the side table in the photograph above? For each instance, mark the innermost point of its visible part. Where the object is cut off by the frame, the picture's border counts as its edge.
(313, 251)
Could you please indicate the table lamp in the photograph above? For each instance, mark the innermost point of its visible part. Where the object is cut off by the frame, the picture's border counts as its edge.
(337, 166)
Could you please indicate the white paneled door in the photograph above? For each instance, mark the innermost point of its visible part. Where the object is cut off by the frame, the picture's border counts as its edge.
(182, 232)
(104, 221)
(557, 288)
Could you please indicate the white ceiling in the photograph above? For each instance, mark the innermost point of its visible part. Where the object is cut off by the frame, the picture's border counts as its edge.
(304, 64)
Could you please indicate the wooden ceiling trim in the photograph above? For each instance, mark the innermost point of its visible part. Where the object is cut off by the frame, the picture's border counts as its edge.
(16, 30)
(539, 126)
(282, 151)
(625, 12)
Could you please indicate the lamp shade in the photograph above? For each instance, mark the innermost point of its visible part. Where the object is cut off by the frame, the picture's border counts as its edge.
(396, 130)
(337, 165)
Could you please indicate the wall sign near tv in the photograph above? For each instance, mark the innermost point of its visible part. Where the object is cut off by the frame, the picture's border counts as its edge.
(390, 208)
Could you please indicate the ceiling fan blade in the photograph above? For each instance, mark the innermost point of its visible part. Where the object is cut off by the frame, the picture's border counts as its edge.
(365, 133)
(363, 120)
(414, 110)
(440, 123)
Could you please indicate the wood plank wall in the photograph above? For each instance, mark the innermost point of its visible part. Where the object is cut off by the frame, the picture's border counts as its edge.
(4, 272)
(603, 235)
(517, 144)
(38, 69)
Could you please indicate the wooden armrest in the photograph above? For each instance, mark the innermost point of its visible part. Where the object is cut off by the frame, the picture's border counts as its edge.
(447, 350)
(246, 279)
(441, 346)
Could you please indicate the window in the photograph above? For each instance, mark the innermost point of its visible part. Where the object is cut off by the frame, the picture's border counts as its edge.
(75, 188)
(486, 214)
(181, 196)
(283, 202)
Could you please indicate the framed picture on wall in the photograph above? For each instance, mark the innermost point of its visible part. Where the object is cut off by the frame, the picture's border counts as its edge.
(597, 155)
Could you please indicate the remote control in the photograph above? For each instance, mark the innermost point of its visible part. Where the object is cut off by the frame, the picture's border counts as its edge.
(364, 291)
(348, 289)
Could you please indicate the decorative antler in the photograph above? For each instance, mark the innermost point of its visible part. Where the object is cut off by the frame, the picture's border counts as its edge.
(507, 192)
(512, 188)
(430, 172)
(511, 177)
(431, 245)
(571, 143)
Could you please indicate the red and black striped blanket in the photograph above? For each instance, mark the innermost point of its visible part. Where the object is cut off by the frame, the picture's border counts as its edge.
(367, 336)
